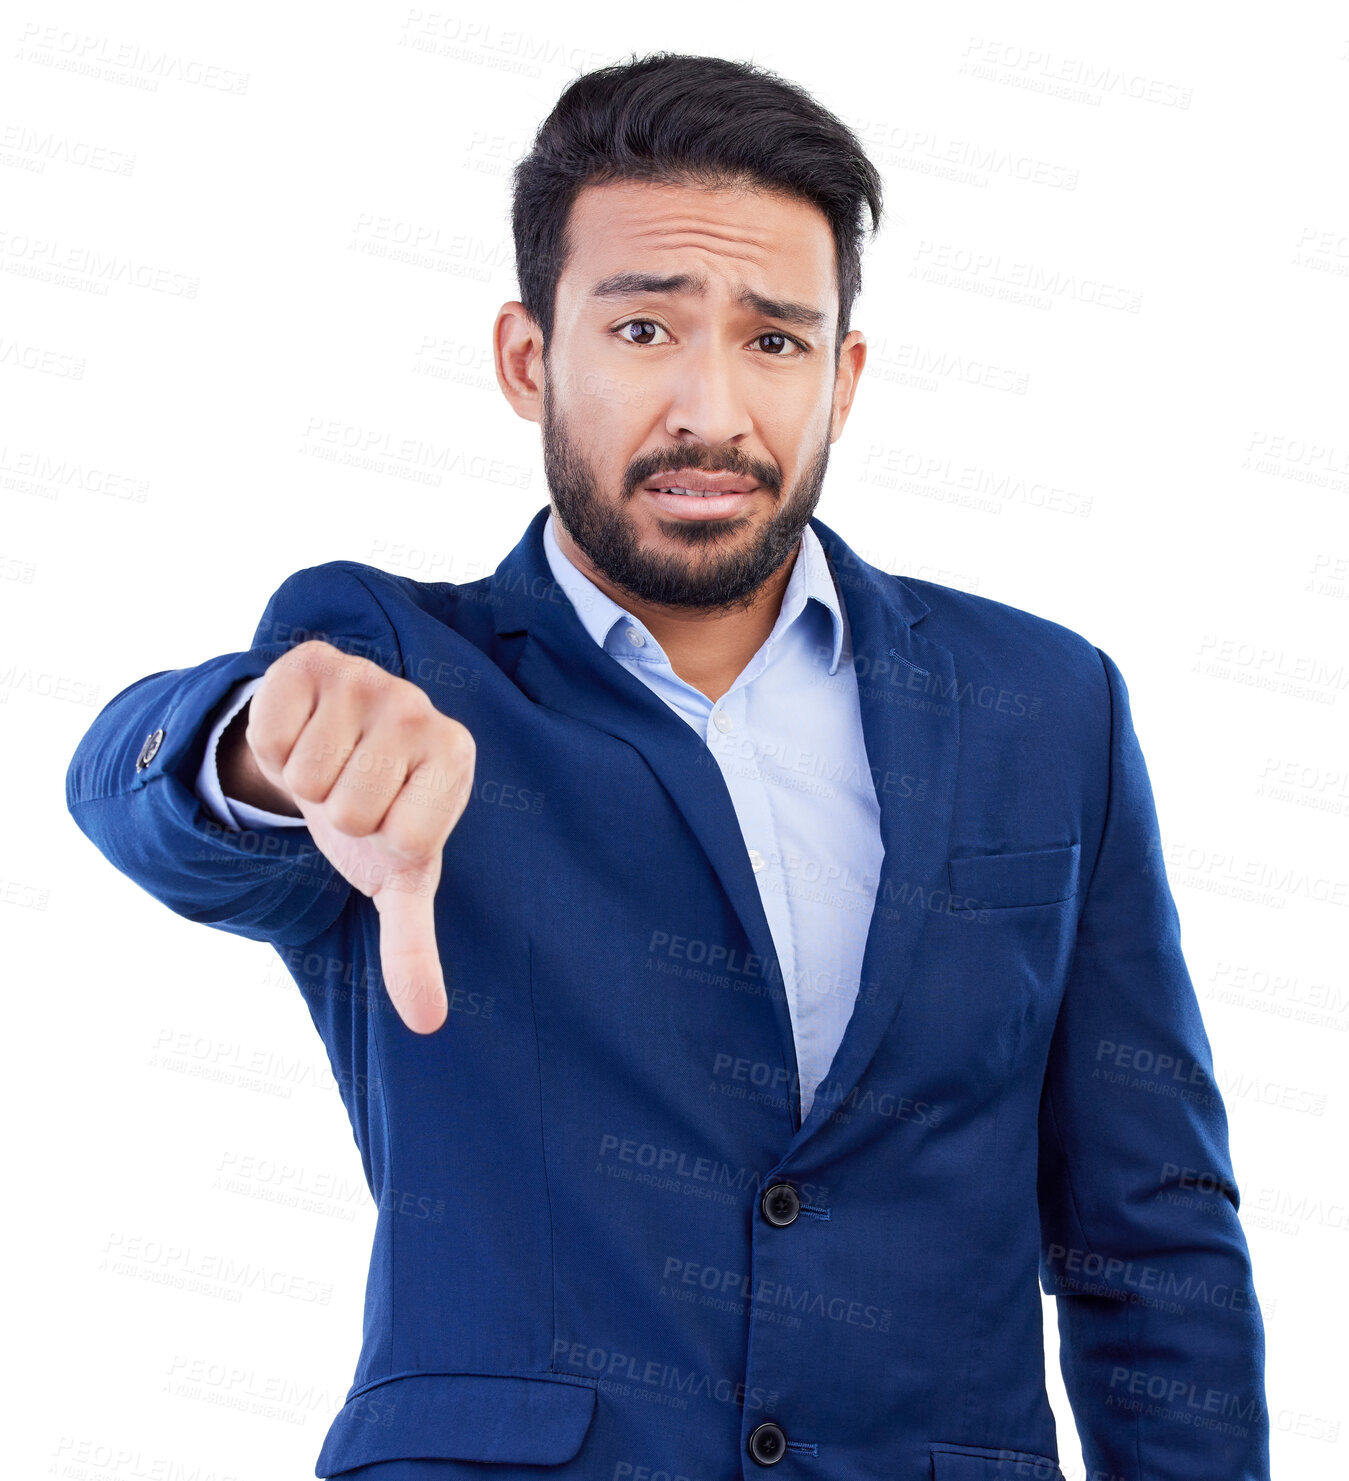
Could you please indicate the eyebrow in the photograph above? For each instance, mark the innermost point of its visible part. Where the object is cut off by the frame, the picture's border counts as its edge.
(630, 285)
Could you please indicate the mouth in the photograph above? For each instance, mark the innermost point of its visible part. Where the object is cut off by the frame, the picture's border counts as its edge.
(697, 503)
(693, 495)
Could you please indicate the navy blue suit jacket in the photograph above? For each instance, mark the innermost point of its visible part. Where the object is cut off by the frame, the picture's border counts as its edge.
(574, 1264)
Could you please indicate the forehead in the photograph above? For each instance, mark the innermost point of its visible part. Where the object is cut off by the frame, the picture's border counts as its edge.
(771, 241)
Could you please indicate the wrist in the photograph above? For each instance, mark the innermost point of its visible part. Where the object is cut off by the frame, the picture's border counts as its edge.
(239, 774)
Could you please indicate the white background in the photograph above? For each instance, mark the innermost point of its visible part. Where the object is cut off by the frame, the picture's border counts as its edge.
(1167, 478)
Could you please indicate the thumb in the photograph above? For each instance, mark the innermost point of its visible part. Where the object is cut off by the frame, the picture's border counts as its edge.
(409, 956)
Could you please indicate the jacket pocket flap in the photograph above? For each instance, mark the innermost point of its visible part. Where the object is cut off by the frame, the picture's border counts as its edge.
(983, 1463)
(1040, 877)
(459, 1416)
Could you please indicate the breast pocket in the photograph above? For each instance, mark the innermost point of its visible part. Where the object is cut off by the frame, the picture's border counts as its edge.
(1042, 876)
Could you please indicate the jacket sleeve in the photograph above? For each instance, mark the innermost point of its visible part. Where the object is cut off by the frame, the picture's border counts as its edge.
(1161, 1339)
(130, 785)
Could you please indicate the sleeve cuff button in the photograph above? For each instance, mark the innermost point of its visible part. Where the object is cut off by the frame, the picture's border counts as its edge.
(148, 750)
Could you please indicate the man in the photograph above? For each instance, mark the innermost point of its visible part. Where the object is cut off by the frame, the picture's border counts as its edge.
(745, 971)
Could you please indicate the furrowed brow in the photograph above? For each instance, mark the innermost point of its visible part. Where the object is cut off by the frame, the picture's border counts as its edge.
(631, 285)
(799, 314)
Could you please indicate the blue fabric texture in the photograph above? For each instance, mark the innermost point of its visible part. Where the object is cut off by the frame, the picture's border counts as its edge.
(574, 1271)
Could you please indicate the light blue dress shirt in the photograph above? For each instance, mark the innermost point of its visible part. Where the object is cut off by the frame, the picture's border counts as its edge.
(787, 736)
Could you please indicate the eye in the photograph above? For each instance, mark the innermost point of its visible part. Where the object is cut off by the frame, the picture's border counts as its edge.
(785, 339)
(641, 324)
(776, 348)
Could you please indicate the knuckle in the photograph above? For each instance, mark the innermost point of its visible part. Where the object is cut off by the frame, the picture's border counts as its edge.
(346, 816)
(353, 672)
(263, 744)
(459, 744)
(312, 652)
(404, 843)
(299, 780)
(409, 711)
(305, 663)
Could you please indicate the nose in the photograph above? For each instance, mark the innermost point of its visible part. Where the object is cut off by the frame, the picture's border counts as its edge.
(706, 400)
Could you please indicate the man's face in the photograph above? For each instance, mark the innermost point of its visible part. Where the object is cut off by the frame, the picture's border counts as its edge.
(727, 376)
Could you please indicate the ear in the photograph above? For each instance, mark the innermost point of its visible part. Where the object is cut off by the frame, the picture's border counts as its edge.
(517, 349)
(852, 357)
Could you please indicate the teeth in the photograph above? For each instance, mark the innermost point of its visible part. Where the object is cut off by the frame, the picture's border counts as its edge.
(693, 493)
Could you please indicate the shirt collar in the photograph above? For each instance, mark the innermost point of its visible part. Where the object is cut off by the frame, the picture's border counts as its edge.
(599, 613)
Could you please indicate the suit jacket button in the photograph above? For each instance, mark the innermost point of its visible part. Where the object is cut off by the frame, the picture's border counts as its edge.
(148, 750)
(780, 1204)
(767, 1443)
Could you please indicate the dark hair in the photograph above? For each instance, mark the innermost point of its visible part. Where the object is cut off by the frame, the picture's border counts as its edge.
(673, 119)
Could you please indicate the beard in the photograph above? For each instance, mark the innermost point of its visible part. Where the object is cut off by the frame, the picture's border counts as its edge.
(725, 572)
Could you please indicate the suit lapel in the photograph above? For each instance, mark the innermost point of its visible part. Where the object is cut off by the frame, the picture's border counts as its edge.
(906, 686)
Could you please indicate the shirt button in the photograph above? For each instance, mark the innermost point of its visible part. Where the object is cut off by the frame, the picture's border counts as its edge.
(635, 638)
(757, 861)
(723, 721)
(767, 1443)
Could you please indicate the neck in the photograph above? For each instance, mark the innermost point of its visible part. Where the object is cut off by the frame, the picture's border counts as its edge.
(708, 649)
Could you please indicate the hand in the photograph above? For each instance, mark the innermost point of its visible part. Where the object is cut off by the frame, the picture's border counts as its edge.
(381, 777)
